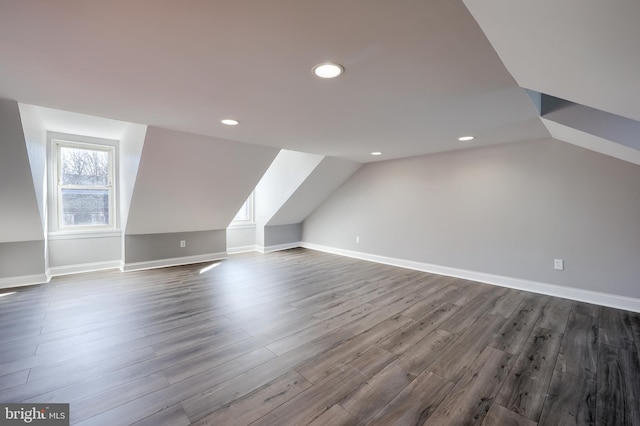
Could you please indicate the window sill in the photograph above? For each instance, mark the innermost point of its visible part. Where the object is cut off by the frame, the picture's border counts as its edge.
(241, 225)
(73, 235)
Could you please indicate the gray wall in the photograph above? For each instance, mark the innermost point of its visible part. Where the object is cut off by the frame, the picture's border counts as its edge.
(282, 234)
(21, 258)
(241, 237)
(151, 247)
(79, 251)
(506, 210)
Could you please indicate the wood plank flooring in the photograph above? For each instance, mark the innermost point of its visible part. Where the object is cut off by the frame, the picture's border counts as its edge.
(306, 338)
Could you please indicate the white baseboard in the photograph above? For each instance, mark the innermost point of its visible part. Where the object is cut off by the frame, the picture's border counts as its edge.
(84, 267)
(24, 280)
(175, 261)
(588, 296)
(263, 249)
(278, 247)
(242, 249)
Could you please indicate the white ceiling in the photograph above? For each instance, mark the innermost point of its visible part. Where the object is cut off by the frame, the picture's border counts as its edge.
(418, 75)
(591, 142)
(55, 120)
(585, 51)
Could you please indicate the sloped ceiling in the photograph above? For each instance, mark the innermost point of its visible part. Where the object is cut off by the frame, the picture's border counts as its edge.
(35, 137)
(599, 123)
(283, 177)
(183, 182)
(19, 213)
(329, 174)
(295, 184)
(583, 51)
(592, 142)
(419, 74)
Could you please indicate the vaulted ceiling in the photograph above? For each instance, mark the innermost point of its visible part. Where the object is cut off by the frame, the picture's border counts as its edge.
(584, 51)
(419, 74)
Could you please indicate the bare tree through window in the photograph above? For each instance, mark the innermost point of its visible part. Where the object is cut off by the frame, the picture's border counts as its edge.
(84, 167)
(85, 186)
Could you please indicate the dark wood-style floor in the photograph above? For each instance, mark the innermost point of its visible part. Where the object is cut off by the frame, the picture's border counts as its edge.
(301, 337)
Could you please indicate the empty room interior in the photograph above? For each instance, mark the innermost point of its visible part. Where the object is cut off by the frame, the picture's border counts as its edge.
(320, 213)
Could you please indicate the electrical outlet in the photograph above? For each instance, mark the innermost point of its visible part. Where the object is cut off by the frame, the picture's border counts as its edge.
(357, 240)
(558, 264)
(183, 243)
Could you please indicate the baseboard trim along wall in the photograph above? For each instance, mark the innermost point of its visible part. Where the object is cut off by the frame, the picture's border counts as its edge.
(588, 296)
(84, 267)
(24, 280)
(278, 247)
(175, 261)
(242, 249)
(263, 249)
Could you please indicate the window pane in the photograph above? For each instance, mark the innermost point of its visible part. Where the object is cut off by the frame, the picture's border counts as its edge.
(244, 213)
(84, 167)
(85, 207)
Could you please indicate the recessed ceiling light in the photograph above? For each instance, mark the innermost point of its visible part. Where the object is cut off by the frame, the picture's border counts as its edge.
(328, 70)
(376, 153)
(466, 138)
(229, 122)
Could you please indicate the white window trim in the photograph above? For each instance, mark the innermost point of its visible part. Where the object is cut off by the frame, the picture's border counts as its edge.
(56, 230)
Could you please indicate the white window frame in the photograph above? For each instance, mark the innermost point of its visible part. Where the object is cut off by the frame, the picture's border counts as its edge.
(249, 222)
(56, 223)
